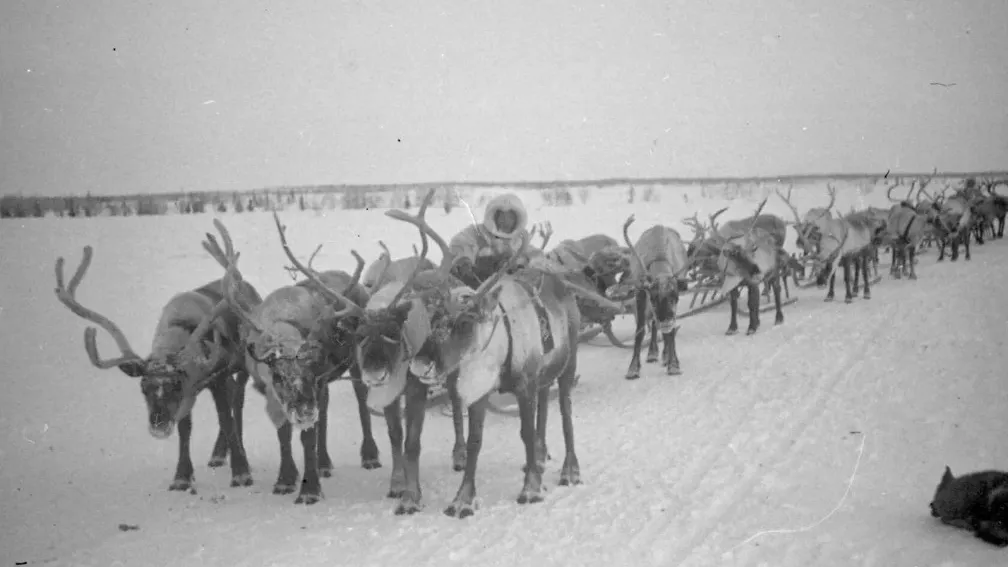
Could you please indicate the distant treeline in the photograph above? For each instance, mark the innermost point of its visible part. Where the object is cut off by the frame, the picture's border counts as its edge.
(449, 195)
(16, 206)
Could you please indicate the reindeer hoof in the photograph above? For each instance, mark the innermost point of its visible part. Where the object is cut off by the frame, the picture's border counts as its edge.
(652, 357)
(530, 497)
(243, 479)
(408, 506)
(848, 300)
(632, 375)
(673, 370)
(779, 320)
(828, 299)
(181, 484)
(459, 510)
(751, 331)
(731, 332)
(912, 277)
(366, 463)
(866, 295)
(326, 471)
(308, 498)
(283, 488)
(217, 461)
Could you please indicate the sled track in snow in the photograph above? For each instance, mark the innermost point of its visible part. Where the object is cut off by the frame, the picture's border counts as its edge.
(689, 534)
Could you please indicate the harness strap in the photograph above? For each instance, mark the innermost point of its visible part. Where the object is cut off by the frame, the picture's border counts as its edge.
(506, 379)
(545, 331)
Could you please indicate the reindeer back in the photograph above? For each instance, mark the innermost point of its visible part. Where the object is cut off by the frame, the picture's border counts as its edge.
(659, 244)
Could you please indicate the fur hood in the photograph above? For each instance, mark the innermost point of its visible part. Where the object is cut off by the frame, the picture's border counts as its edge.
(505, 202)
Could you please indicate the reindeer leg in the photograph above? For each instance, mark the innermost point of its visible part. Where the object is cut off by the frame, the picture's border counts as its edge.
(459, 450)
(894, 266)
(832, 281)
(288, 476)
(634, 371)
(325, 465)
(672, 360)
(236, 393)
(776, 283)
(912, 254)
(652, 351)
(733, 297)
(856, 287)
(954, 243)
(570, 473)
(369, 449)
(542, 415)
(848, 296)
(865, 275)
(462, 505)
(531, 492)
(311, 487)
(941, 249)
(218, 457)
(966, 245)
(184, 469)
(240, 475)
(394, 421)
(416, 409)
(753, 302)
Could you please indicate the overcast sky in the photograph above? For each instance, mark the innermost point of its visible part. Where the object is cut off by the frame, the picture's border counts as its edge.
(122, 96)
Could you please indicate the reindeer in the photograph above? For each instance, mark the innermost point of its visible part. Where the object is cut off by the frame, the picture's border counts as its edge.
(953, 224)
(660, 261)
(834, 241)
(294, 347)
(395, 342)
(999, 205)
(168, 375)
(517, 333)
(749, 259)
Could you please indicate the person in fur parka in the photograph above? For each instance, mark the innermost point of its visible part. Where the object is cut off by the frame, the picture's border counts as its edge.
(480, 249)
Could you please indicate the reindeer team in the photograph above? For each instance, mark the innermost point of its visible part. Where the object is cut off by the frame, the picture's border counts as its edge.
(406, 325)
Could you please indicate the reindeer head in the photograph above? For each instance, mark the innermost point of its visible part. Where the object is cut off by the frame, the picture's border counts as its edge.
(170, 374)
(809, 228)
(745, 257)
(661, 282)
(291, 336)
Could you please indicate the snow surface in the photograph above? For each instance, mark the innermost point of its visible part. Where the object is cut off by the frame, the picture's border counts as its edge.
(758, 433)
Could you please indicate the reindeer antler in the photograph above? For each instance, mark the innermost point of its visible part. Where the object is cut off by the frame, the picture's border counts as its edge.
(424, 247)
(547, 234)
(418, 221)
(228, 258)
(292, 270)
(349, 308)
(626, 238)
(67, 295)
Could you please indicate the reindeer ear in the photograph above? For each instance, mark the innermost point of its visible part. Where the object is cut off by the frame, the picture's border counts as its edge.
(133, 368)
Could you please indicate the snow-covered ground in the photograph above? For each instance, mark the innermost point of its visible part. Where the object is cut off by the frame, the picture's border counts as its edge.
(832, 429)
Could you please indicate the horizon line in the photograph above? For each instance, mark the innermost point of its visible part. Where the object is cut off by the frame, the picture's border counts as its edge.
(527, 184)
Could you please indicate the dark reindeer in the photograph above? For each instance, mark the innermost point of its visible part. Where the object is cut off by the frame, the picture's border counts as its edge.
(904, 230)
(517, 333)
(395, 348)
(750, 259)
(168, 377)
(293, 348)
(660, 260)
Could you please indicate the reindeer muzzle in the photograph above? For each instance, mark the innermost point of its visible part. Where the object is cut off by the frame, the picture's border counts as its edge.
(161, 429)
(303, 417)
(426, 371)
(373, 379)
